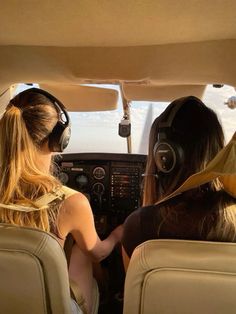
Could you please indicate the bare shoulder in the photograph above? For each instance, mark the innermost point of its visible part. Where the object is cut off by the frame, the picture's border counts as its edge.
(75, 213)
(76, 202)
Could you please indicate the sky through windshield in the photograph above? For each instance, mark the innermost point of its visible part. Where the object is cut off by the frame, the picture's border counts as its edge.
(98, 131)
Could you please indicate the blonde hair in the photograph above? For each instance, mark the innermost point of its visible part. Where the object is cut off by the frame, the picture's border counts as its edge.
(24, 128)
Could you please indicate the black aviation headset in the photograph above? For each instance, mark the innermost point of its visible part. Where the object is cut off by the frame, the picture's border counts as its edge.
(169, 154)
(60, 135)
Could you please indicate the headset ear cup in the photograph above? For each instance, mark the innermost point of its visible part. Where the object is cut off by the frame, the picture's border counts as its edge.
(59, 137)
(65, 138)
(167, 156)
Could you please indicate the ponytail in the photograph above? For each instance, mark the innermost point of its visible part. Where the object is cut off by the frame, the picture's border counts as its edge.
(13, 138)
(21, 180)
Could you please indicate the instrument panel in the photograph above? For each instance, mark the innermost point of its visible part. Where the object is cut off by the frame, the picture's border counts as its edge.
(111, 182)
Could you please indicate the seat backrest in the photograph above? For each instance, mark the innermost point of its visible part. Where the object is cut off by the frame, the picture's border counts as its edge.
(33, 272)
(183, 277)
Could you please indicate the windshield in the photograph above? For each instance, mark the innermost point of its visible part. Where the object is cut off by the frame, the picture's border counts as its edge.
(98, 131)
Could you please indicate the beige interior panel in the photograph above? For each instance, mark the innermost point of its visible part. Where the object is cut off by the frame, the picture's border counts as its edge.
(84, 98)
(165, 42)
(4, 99)
(161, 93)
(75, 97)
(195, 63)
(115, 23)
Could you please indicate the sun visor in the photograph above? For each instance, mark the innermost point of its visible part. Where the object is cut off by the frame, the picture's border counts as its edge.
(223, 166)
(161, 93)
(84, 98)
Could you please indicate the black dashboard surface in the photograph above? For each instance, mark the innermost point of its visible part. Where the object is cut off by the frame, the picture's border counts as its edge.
(111, 182)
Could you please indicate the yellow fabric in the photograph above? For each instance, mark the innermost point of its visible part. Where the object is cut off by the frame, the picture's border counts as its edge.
(21, 208)
(63, 193)
(223, 166)
(68, 191)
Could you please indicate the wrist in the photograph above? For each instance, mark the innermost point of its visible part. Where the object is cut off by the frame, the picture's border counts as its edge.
(113, 238)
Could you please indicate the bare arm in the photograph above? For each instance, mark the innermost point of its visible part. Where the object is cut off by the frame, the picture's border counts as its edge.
(77, 219)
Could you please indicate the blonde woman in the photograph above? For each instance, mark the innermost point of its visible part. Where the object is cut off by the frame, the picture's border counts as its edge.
(183, 140)
(34, 125)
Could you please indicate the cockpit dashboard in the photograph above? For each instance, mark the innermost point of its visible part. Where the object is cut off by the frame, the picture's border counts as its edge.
(111, 182)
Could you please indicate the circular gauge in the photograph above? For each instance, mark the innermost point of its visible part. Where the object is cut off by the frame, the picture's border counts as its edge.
(63, 177)
(98, 188)
(81, 181)
(99, 173)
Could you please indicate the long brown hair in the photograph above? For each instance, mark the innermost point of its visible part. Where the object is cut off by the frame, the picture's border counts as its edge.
(197, 129)
(207, 211)
(24, 129)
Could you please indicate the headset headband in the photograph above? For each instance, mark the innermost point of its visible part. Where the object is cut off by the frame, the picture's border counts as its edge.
(168, 153)
(58, 104)
(174, 108)
(59, 137)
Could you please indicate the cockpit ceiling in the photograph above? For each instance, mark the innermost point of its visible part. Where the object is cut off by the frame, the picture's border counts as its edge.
(115, 23)
(176, 64)
(154, 42)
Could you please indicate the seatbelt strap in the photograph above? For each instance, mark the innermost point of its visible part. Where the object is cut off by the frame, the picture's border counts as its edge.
(42, 202)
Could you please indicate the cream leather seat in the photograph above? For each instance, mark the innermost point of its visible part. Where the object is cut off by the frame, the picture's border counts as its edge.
(33, 273)
(181, 277)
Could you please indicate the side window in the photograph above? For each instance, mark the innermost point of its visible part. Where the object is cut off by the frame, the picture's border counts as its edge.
(216, 99)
